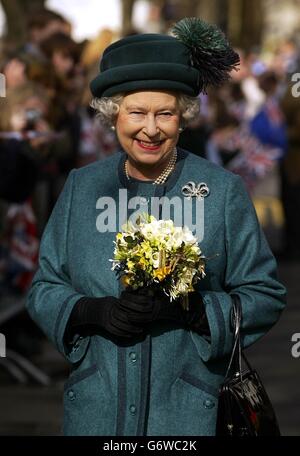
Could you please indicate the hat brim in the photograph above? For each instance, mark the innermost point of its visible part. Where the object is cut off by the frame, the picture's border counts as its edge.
(146, 76)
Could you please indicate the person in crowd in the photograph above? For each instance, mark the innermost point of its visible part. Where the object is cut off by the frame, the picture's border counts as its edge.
(18, 170)
(254, 95)
(145, 365)
(41, 25)
(233, 145)
(63, 53)
(290, 176)
(14, 71)
(268, 125)
(23, 138)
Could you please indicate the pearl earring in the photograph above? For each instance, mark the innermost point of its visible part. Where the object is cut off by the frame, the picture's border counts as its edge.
(113, 128)
(180, 129)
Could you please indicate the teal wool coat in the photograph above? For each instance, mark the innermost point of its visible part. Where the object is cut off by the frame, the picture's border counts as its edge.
(165, 383)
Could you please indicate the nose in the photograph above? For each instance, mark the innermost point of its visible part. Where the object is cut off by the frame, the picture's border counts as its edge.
(150, 128)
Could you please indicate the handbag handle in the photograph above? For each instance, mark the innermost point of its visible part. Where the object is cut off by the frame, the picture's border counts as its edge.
(236, 354)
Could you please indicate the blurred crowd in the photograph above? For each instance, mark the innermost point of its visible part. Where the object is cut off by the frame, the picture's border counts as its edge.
(46, 129)
(251, 126)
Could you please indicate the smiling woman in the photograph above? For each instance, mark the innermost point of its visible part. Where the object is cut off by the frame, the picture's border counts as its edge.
(143, 365)
(148, 127)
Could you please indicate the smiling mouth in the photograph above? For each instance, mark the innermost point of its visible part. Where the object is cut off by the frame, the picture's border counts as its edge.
(149, 145)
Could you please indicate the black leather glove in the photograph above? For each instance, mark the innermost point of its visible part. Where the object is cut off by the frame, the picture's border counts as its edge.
(144, 306)
(106, 313)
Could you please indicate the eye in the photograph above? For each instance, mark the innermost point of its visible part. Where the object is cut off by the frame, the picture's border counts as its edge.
(165, 114)
(136, 116)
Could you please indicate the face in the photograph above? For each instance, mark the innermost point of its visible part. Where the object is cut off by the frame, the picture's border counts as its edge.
(148, 127)
(63, 63)
(15, 73)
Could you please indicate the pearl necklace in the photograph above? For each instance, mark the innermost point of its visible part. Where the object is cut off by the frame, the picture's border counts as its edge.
(161, 179)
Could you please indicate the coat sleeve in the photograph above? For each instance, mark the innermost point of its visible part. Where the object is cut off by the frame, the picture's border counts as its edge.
(251, 272)
(52, 296)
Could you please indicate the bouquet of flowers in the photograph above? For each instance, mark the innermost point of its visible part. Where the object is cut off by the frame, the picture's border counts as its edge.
(156, 254)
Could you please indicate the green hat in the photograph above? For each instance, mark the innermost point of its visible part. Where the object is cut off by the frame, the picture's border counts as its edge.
(196, 56)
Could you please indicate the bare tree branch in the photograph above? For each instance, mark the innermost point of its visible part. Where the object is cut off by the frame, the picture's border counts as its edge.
(16, 14)
(127, 10)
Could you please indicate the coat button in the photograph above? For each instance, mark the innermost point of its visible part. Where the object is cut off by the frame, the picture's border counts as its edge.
(132, 409)
(132, 356)
(208, 404)
(71, 395)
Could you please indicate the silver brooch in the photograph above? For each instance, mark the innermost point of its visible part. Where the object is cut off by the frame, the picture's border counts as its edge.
(199, 190)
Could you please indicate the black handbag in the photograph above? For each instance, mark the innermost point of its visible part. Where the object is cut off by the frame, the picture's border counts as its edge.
(244, 406)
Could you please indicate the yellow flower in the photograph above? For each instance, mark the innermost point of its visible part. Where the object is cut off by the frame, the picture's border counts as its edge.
(146, 249)
(161, 273)
(143, 263)
(125, 280)
(130, 264)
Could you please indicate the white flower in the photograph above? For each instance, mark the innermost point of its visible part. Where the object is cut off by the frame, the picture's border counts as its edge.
(155, 260)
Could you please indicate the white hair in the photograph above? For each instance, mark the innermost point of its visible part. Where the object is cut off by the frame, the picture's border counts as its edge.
(107, 108)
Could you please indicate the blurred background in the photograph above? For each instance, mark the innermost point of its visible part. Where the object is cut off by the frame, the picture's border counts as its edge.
(49, 51)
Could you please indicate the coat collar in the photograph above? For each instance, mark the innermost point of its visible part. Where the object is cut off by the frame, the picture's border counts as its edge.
(173, 178)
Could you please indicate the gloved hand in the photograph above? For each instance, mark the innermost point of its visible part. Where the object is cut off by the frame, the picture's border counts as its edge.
(128, 316)
(106, 313)
(144, 306)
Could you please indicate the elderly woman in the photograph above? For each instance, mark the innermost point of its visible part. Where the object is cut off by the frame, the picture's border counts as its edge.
(141, 365)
